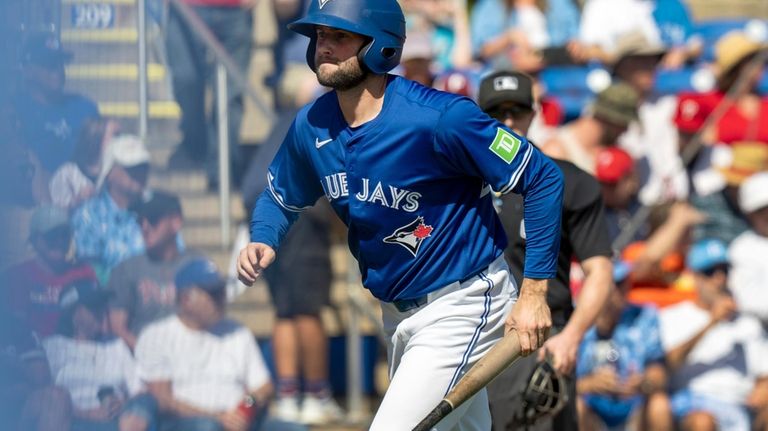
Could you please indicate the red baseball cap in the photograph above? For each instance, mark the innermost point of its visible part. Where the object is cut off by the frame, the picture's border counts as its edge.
(456, 82)
(613, 164)
(693, 110)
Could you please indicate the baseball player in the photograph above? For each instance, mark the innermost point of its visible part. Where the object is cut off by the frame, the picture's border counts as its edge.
(410, 170)
(508, 97)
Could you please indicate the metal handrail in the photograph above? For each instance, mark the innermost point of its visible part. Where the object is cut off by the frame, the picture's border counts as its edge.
(222, 56)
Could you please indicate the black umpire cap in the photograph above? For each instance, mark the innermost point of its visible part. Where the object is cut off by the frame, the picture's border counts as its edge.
(505, 87)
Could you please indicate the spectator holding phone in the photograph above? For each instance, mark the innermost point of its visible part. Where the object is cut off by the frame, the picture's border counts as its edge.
(96, 367)
(205, 371)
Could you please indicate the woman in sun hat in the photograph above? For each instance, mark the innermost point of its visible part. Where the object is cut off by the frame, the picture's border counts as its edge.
(747, 118)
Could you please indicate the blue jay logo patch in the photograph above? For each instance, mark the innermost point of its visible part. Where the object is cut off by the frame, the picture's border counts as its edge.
(411, 235)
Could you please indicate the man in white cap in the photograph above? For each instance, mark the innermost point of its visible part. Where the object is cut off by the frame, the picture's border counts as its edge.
(749, 250)
(105, 231)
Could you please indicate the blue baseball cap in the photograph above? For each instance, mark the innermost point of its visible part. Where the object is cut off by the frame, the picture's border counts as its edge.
(201, 273)
(44, 49)
(707, 254)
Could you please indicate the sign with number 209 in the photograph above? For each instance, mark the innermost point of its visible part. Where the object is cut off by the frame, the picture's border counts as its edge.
(92, 15)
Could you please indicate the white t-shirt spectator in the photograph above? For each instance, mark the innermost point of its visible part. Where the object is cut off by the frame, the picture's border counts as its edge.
(83, 367)
(68, 186)
(725, 363)
(211, 370)
(532, 22)
(603, 21)
(749, 274)
(654, 138)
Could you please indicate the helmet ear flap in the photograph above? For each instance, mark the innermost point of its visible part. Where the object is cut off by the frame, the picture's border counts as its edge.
(311, 49)
(363, 53)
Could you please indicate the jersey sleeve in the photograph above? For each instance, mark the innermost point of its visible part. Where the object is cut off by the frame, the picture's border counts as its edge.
(475, 144)
(291, 188)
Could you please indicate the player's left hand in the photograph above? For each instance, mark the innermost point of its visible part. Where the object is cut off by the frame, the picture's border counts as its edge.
(530, 316)
(562, 349)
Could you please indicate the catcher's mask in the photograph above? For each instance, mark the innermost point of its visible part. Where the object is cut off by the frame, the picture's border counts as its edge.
(545, 395)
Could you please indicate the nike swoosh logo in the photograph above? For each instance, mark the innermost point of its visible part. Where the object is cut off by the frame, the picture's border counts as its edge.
(319, 143)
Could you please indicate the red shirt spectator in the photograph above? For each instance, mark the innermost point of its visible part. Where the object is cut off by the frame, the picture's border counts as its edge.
(32, 288)
(734, 126)
(747, 118)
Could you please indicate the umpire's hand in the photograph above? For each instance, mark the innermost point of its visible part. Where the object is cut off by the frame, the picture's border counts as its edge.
(254, 258)
(530, 316)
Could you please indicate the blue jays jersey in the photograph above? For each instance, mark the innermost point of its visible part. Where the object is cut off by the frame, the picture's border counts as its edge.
(413, 187)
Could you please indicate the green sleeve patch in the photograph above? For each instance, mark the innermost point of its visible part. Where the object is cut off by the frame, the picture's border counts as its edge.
(505, 145)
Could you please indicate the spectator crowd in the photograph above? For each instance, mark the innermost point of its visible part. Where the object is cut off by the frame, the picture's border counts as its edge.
(110, 321)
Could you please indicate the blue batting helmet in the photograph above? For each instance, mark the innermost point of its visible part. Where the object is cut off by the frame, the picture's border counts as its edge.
(382, 21)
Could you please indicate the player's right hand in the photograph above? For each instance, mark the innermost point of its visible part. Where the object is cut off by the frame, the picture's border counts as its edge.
(253, 259)
(530, 316)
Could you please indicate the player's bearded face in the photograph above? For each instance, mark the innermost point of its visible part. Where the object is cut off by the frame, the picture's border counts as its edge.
(346, 75)
(336, 58)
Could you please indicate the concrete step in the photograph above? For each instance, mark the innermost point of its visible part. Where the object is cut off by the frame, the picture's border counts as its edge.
(107, 53)
(205, 235)
(181, 182)
(111, 92)
(161, 151)
(220, 257)
(204, 208)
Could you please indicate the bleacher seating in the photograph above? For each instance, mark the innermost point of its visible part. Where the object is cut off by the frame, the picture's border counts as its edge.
(711, 30)
(574, 86)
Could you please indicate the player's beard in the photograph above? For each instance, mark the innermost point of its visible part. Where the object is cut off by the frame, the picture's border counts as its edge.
(347, 76)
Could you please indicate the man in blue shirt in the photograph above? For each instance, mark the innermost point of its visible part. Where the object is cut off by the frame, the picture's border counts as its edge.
(621, 377)
(50, 118)
(410, 171)
(105, 231)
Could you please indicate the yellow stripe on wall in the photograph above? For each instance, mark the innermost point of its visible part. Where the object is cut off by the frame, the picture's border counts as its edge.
(123, 35)
(167, 109)
(118, 71)
(120, 2)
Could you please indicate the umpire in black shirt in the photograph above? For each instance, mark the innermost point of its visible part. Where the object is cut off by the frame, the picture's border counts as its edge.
(508, 97)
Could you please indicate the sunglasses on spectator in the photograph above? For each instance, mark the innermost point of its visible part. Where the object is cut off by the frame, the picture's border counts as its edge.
(153, 219)
(138, 172)
(709, 272)
(501, 113)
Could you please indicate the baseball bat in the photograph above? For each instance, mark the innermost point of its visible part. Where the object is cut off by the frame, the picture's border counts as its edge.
(502, 354)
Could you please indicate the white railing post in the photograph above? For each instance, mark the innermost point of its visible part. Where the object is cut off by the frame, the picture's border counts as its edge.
(141, 24)
(222, 116)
